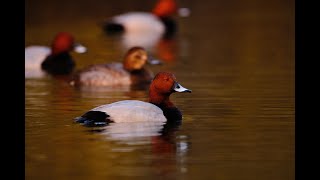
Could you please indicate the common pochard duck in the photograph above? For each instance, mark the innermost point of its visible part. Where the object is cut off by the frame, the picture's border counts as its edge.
(131, 71)
(158, 21)
(52, 60)
(159, 108)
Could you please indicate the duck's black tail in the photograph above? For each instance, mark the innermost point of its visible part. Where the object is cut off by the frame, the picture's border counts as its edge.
(113, 28)
(94, 118)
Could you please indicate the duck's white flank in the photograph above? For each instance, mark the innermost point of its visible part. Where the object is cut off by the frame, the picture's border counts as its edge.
(34, 55)
(132, 111)
(140, 22)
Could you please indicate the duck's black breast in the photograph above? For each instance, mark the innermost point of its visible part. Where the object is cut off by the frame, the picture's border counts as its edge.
(59, 64)
(170, 25)
(172, 113)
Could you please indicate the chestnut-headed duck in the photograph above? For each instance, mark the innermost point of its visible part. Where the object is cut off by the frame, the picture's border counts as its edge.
(158, 21)
(159, 108)
(52, 60)
(130, 72)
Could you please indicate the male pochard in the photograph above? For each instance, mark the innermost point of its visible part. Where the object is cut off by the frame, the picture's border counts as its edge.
(130, 72)
(158, 21)
(159, 108)
(53, 60)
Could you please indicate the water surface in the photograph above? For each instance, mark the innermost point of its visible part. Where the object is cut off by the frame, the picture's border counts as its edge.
(238, 122)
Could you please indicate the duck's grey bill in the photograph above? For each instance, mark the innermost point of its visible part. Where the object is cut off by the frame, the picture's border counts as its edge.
(153, 61)
(179, 88)
(80, 48)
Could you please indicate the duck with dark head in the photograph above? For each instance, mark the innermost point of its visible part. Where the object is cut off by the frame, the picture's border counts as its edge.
(131, 71)
(56, 60)
(158, 109)
(60, 62)
(159, 20)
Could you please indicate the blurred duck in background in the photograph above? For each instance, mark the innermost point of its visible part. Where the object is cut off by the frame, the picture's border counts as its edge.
(131, 71)
(159, 21)
(147, 29)
(55, 60)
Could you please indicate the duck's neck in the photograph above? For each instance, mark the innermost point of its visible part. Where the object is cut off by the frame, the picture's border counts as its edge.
(170, 111)
(160, 100)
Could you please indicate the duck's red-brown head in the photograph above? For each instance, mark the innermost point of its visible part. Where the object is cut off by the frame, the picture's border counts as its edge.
(64, 42)
(135, 59)
(162, 86)
(165, 8)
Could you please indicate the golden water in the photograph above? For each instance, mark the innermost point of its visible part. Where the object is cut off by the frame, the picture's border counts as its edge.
(238, 122)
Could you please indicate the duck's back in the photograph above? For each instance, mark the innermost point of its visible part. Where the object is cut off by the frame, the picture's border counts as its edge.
(103, 75)
(132, 111)
(139, 22)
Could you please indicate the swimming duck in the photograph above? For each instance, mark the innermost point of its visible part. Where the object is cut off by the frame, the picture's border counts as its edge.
(53, 60)
(158, 21)
(130, 72)
(159, 108)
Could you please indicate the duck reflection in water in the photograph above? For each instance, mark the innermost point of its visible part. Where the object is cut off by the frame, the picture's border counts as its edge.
(168, 149)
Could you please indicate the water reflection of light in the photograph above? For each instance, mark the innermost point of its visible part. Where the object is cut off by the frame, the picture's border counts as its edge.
(182, 147)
